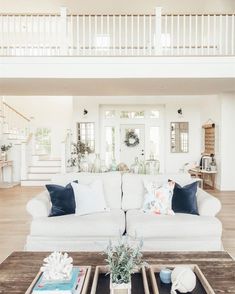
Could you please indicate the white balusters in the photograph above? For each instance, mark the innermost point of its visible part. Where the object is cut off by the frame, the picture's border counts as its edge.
(122, 35)
(232, 35)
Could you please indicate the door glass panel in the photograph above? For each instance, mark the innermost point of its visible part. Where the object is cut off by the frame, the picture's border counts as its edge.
(131, 114)
(154, 141)
(109, 144)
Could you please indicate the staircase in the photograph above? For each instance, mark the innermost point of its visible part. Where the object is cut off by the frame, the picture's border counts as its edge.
(31, 169)
(41, 170)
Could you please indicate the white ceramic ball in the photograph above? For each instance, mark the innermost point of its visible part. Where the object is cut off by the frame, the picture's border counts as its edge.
(183, 279)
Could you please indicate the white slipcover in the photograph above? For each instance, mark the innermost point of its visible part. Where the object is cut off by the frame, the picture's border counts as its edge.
(102, 224)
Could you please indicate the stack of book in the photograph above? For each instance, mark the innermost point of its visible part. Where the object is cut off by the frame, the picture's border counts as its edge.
(72, 286)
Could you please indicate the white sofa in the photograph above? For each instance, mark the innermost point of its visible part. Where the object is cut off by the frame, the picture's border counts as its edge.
(124, 195)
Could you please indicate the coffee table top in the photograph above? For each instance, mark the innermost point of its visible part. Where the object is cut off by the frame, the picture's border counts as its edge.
(20, 268)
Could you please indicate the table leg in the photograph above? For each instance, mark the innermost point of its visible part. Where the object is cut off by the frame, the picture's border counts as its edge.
(12, 170)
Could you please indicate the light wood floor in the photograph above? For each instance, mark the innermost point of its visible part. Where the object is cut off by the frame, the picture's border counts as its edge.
(15, 221)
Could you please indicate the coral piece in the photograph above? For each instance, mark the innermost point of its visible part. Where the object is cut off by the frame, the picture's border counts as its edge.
(57, 266)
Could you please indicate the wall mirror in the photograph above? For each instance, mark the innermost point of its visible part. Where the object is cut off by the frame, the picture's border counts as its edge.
(86, 134)
(179, 137)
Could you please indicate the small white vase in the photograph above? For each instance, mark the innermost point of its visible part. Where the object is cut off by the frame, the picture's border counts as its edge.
(120, 288)
(4, 156)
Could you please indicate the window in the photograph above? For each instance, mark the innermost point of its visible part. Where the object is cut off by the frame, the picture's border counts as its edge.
(132, 114)
(109, 144)
(86, 134)
(109, 113)
(154, 114)
(43, 141)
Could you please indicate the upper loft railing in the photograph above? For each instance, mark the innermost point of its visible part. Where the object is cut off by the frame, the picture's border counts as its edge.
(117, 35)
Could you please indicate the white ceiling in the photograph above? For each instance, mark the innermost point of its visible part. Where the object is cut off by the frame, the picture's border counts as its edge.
(115, 87)
(117, 6)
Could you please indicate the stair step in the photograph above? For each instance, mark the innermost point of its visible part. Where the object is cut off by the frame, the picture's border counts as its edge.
(41, 175)
(35, 182)
(37, 162)
(44, 169)
(49, 159)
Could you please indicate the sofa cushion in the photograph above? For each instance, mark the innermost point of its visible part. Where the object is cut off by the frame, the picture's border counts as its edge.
(62, 200)
(158, 199)
(184, 199)
(103, 224)
(89, 198)
(134, 191)
(111, 184)
(140, 224)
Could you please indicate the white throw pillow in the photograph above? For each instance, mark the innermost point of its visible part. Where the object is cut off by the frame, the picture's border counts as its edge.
(89, 198)
(158, 198)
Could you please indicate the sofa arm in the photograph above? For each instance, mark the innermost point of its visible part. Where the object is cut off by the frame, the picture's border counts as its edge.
(208, 205)
(40, 205)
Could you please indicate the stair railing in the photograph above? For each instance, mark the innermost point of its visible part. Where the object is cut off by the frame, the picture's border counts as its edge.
(15, 124)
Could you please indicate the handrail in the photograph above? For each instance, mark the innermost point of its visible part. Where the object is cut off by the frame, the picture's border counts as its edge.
(16, 111)
(116, 15)
(118, 35)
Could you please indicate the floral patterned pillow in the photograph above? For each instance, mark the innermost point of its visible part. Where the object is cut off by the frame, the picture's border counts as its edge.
(158, 198)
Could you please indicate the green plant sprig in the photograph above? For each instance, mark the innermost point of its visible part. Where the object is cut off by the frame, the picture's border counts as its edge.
(123, 260)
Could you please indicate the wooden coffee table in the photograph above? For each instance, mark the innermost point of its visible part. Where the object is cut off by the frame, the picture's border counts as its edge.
(20, 268)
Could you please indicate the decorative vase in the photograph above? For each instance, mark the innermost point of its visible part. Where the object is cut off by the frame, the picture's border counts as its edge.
(103, 167)
(97, 164)
(113, 166)
(120, 288)
(4, 155)
(84, 164)
(152, 166)
(135, 167)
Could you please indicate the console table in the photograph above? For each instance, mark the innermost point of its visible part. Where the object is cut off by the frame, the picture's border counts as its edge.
(204, 175)
(4, 164)
(20, 268)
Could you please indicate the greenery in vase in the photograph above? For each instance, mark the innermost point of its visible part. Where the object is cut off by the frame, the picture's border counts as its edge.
(5, 148)
(123, 260)
(79, 149)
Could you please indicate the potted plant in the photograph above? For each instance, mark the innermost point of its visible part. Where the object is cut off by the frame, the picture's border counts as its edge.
(4, 150)
(79, 150)
(123, 260)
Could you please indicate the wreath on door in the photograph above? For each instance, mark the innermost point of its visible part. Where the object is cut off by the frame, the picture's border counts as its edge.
(132, 139)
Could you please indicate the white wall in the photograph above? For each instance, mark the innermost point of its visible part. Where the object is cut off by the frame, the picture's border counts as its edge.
(228, 142)
(221, 110)
(191, 113)
(51, 112)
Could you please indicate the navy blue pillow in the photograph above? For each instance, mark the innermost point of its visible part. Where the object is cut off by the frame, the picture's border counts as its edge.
(184, 199)
(62, 199)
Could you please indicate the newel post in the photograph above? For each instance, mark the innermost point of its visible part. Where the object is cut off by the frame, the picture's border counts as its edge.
(63, 158)
(23, 171)
(158, 30)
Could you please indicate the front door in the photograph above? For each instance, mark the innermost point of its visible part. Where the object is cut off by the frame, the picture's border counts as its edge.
(132, 143)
